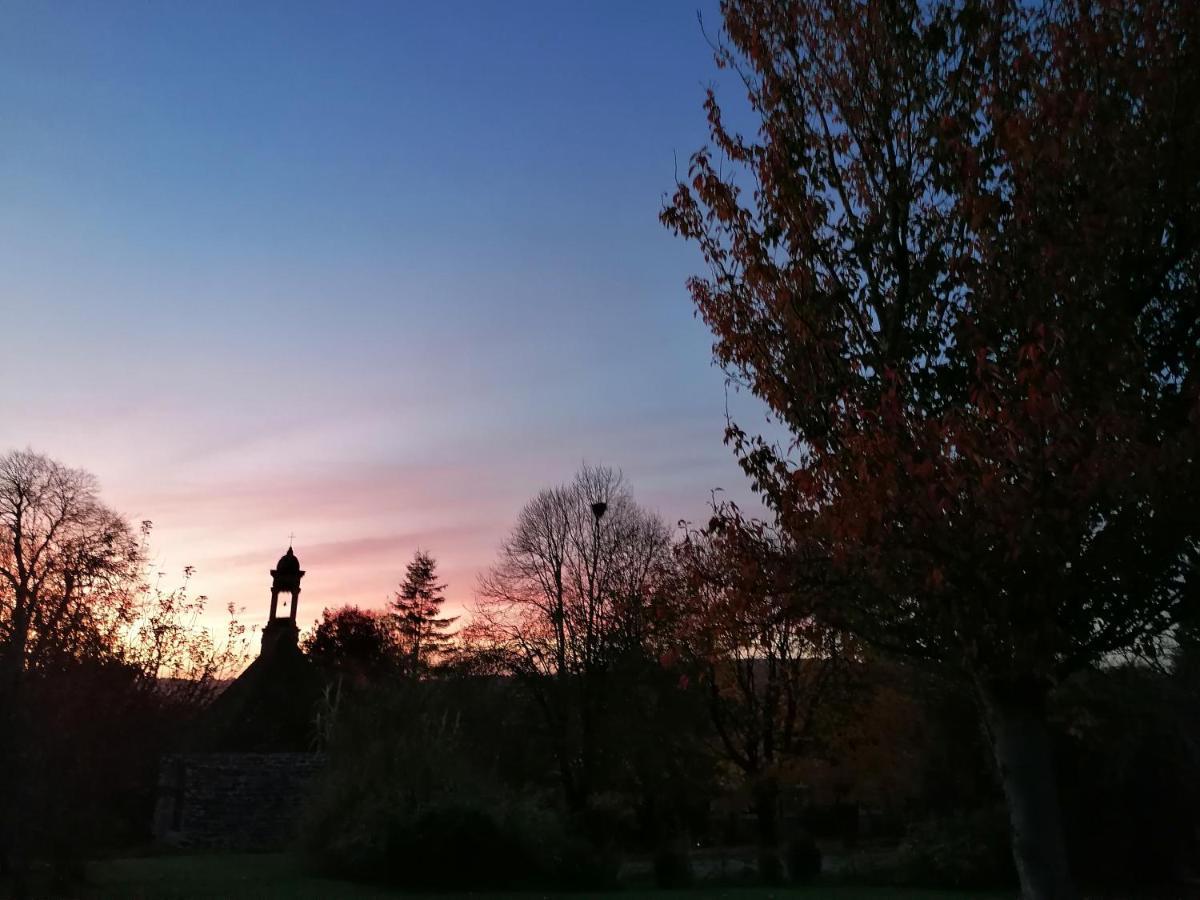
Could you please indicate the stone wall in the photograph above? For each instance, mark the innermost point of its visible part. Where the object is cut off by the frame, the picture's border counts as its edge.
(239, 801)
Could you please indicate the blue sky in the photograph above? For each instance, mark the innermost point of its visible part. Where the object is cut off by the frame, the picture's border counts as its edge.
(369, 272)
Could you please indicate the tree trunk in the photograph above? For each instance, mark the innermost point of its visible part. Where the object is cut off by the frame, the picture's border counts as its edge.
(766, 812)
(13, 788)
(1020, 738)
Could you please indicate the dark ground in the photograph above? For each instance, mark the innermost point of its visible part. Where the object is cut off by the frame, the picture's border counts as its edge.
(269, 876)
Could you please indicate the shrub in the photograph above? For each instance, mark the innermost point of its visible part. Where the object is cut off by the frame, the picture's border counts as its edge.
(770, 866)
(672, 865)
(961, 852)
(608, 820)
(405, 800)
(1130, 774)
(803, 858)
(473, 840)
(453, 845)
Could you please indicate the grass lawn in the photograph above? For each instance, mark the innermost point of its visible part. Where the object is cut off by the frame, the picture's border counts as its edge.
(266, 876)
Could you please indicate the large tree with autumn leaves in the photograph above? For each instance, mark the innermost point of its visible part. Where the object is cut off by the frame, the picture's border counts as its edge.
(959, 261)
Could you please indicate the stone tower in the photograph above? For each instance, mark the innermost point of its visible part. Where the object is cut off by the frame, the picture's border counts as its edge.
(285, 579)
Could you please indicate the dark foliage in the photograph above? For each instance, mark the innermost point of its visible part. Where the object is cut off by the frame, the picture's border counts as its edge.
(1129, 746)
(420, 770)
(100, 672)
(803, 858)
(672, 867)
(509, 847)
(357, 643)
(95, 738)
(962, 852)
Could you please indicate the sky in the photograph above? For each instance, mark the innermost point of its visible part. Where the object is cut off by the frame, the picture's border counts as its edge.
(368, 273)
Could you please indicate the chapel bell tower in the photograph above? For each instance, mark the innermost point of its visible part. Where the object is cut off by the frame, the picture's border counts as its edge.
(285, 579)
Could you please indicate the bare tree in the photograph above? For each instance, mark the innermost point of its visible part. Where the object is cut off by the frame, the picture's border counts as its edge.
(570, 595)
(173, 653)
(69, 566)
(68, 582)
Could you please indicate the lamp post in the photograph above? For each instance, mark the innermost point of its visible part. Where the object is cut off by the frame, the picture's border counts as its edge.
(598, 510)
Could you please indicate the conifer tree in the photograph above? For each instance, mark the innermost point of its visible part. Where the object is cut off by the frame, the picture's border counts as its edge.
(423, 633)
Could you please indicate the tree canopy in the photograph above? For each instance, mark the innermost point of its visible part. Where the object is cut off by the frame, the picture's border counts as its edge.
(959, 262)
(350, 640)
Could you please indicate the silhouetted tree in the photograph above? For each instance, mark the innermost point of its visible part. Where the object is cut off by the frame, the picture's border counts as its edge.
(175, 656)
(97, 668)
(571, 594)
(1130, 737)
(959, 262)
(749, 624)
(67, 566)
(423, 632)
(358, 643)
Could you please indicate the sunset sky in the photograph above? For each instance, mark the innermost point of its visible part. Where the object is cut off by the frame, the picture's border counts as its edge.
(372, 273)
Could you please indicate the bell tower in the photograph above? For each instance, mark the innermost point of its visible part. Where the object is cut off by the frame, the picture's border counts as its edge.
(285, 579)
